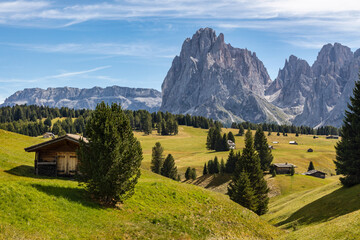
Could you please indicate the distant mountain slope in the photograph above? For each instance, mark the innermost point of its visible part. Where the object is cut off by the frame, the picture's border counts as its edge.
(214, 79)
(317, 95)
(129, 98)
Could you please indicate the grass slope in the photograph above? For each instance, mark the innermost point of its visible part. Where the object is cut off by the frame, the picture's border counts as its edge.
(327, 211)
(44, 208)
(188, 149)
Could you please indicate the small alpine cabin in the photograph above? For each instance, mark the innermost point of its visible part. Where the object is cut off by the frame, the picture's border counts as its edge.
(57, 157)
(283, 168)
(315, 173)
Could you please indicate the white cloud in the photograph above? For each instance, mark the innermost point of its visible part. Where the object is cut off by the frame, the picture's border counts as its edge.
(110, 49)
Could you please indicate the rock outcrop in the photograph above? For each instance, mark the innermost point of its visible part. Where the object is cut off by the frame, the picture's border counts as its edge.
(215, 80)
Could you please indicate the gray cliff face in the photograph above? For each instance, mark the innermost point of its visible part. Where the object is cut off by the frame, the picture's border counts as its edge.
(214, 79)
(317, 95)
(129, 98)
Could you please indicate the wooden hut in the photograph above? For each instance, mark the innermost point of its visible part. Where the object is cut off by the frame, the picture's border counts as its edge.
(283, 168)
(57, 156)
(316, 173)
(231, 144)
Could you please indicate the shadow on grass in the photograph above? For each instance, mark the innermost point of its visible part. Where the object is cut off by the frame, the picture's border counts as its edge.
(28, 171)
(212, 180)
(77, 195)
(333, 205)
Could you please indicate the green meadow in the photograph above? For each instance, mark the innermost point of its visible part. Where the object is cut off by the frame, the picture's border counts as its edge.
(301, 207)
(188, 149)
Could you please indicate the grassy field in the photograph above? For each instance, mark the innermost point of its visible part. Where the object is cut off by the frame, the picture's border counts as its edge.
(188, 149)
(327, 211)
(301, 207)
(44, 208)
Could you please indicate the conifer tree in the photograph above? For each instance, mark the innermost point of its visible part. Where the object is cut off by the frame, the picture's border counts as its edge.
(157, 158)
(347, 149)
(188, 173)
(262, 147)
(169, 169)
(241, 192)
(311, 166)
(225, 146)
(205, 170)
(231, 137)
(211, 167)
(193, 174)
(249, 163)
(222, 166)
(230, 163)
(209, 139)
(216, 165)
(241, 130)
(110, 162)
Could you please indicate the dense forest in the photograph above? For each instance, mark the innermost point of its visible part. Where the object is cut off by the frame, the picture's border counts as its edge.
(35, 120)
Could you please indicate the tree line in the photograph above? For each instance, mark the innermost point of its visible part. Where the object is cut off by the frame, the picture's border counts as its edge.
(29, 120)
(284, 129)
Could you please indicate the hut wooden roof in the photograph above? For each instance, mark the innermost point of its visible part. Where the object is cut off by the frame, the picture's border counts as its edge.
(70, 137)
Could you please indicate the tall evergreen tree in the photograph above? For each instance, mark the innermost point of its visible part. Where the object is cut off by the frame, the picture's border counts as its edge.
(169, 169)
(188, 173)
(262, 147)
(230, 163)
(157, 159)
(241, 192)
(110, 162)
(205, 170)
(311, 166)
(347, 149)
(249, 162)
(224, 143)
(211, 168)
(193, 174)
(241, 130)
(222, 166)
(216, 165)
(231, 137)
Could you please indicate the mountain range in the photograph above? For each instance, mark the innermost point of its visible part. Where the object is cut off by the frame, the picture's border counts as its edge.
(214, 79)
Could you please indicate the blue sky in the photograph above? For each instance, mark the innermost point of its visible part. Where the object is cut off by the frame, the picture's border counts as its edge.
(132, 43)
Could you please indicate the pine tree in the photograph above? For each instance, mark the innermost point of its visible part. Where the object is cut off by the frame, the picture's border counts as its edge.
(347, 150)
(224, 143)
(188, 173)
(211, 169)
(205, 170)
(222, 166)
(193, 174)
(241, 192)
(262, 147)
(169, 169)
(216, 165)
(241, 130)
(209, 139)
(230, 163)
(311, 166)
(157, 159)
(231, 137)
(249, 163)
(110, 162)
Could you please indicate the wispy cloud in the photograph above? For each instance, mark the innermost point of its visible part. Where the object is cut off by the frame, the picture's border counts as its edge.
(279, 16)
(109, 49)
(65, 75)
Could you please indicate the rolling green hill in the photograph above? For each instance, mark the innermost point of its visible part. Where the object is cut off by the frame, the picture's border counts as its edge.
(44, 208)
(188, 149)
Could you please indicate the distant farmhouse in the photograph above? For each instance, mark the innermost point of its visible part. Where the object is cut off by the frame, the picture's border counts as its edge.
(293, 142)
(315, 173)
(231, 144)
(57, 157)
(283, 168)
(332, 137)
